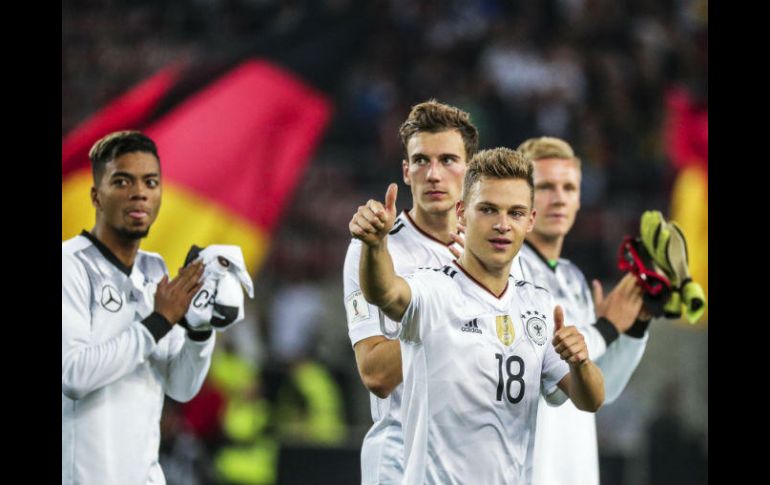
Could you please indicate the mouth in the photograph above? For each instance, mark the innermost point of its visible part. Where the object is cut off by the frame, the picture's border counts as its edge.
(435, 194)
(501, 243)
(137, 214)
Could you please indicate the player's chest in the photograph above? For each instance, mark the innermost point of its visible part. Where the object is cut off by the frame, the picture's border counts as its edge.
(407, 259)
(116, 302)
(477, 334)
(494, 356)
(571, 293)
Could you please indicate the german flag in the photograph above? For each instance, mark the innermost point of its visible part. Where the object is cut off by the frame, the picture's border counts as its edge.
(234, 140)
(687, 148)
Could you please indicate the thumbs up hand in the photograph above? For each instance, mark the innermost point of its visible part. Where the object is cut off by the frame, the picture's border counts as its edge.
(372, 222)
(567, 340)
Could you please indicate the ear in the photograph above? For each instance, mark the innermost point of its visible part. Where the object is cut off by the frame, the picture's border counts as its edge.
(531, 221)
(405, 171)
(460, 209)
(579, 187)
(95, 198)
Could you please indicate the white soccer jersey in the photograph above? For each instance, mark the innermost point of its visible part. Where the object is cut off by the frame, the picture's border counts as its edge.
(118, 360)
(572, 457)
(383, 447)
(474, 366)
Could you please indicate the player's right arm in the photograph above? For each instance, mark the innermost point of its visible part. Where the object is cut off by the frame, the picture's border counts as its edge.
(379, 364)
(379, 282)
(378, 358)
(89, 366)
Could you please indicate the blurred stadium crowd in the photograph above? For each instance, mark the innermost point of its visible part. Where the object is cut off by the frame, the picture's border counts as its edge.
(594, 72)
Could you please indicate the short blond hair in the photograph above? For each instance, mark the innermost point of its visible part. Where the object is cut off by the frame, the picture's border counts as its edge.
(499, 163)
(548, 147)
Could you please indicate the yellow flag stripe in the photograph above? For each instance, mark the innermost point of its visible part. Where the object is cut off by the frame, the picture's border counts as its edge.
(184, 219)
(689, 208)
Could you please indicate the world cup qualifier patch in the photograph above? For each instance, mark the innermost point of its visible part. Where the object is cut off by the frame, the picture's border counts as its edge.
(535, 326)
(356, 307)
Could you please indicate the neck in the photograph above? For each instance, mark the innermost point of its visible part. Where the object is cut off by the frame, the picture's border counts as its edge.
(123, 248)
(438, 226)
(494, 278)
(550, 247)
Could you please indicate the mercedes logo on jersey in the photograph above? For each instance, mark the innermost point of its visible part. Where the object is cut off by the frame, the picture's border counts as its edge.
(111, 299)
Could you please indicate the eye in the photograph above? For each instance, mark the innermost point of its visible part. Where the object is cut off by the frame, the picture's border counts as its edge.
(152, 183)
(486, 210)
(447, 160)
(420, 161)
(120, 182)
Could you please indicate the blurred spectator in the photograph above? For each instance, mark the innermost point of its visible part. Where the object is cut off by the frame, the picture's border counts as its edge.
(183, 456)
(675, 454)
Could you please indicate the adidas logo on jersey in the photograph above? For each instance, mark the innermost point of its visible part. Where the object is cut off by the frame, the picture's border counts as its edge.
(447, 270)
(397, 226)
(472, 326)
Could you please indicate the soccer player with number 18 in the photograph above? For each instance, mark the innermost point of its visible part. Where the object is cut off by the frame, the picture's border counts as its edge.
(478, 347)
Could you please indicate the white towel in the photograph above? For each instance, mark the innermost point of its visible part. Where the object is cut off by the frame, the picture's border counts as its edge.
(219, 303)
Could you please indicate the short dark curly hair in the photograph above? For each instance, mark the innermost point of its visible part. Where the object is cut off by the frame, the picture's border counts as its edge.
(433, 117)
(115, 144)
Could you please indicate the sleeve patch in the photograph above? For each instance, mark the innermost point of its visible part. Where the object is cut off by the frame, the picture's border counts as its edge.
(357, 308)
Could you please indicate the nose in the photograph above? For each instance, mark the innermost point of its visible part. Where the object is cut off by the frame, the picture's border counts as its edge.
(434, 171)
(558, 197)
(139, 192)
(503, 225)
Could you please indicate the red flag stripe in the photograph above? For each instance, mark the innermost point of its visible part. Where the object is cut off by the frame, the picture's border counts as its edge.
(129, 111)
(244, 140)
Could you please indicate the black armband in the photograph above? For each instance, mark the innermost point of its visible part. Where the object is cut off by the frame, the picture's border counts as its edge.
(638, 328)
(195, 335)
(607, 330)
(157, 325)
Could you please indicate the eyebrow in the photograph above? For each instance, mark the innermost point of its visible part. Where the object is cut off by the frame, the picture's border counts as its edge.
(132, 176)
(548, 183)
(441, 155)
(491, 204)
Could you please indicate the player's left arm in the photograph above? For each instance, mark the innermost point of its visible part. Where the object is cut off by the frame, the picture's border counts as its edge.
(623, 345)
(615, 314)
(621, 359)
(584, 384)
(186, 362)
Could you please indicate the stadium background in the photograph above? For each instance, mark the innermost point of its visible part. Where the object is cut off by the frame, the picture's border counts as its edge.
(624, 81)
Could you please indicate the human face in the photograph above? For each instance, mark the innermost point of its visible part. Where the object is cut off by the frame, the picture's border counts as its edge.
(435, 170)
(497, 215)
(557, 196)
(127, 197)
